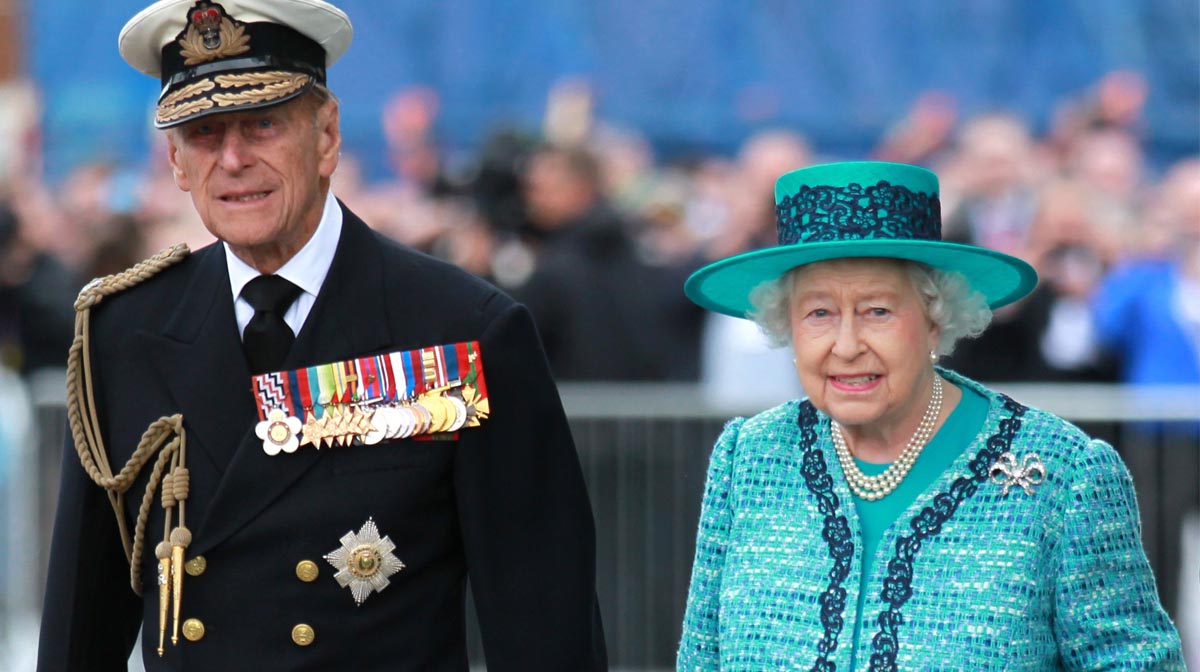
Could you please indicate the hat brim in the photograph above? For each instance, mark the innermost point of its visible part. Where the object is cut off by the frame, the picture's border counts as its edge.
(724, 286)
(229, 92)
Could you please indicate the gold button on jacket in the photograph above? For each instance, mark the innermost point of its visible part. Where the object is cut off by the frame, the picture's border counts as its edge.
(307, 571)
(196, 566)
(303, 634)
(193, 629)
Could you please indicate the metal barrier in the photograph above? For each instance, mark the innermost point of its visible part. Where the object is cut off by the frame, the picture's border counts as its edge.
(645, 449)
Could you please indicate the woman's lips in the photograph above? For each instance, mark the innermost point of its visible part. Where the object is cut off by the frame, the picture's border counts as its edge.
(856, 383)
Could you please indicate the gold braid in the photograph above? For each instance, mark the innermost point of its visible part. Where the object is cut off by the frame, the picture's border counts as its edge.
(164, 436)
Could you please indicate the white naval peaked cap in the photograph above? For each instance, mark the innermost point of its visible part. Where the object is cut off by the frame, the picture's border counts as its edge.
(217, 56)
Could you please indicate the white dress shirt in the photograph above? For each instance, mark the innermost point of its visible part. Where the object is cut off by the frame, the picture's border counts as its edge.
(307, 270)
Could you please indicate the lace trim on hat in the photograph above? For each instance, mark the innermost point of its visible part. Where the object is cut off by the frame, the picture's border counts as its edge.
(854, 212)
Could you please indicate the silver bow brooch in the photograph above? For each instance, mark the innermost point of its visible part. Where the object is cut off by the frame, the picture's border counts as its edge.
(1028, 473)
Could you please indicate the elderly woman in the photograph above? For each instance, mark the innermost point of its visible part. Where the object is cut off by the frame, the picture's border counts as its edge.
(903, 517)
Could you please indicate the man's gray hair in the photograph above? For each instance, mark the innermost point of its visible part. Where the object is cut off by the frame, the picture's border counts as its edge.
(947, 297)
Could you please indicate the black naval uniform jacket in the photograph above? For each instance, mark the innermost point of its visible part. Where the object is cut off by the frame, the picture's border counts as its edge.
(505, 504)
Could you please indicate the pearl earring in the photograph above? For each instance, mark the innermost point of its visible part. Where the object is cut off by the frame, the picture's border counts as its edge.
(933, 357)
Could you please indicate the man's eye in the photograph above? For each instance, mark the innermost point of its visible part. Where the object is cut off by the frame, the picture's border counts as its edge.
(265, 123)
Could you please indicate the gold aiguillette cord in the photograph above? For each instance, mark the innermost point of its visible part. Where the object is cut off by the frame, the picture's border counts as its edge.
(165, 437)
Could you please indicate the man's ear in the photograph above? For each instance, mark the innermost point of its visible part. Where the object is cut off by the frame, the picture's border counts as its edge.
(329, 138)
(177, 170)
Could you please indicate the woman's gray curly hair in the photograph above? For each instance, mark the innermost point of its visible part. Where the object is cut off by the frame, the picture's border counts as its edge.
(950, 303)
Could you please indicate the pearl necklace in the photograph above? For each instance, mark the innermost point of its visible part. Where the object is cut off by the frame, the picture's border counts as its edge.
(872, 488)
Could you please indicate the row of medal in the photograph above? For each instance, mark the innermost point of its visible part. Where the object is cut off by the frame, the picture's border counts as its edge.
(416, 393)
(430, 414)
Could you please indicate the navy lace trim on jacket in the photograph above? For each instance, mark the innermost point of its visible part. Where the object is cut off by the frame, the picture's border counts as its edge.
(835, 532)
(897, 587)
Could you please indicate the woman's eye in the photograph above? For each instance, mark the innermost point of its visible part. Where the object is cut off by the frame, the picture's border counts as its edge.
(819, 312)
(879, 312)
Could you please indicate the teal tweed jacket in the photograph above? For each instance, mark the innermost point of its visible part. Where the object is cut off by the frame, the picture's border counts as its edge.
(969, 578)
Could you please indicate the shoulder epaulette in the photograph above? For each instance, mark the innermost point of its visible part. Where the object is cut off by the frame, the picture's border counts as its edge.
(97, 289)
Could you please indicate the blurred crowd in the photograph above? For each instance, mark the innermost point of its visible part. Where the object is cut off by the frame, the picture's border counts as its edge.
(582, 222)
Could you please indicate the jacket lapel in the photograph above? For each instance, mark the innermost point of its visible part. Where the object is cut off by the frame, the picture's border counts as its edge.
(199, 358)
(348, 319)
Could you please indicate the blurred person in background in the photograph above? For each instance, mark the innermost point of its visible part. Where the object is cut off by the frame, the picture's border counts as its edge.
(1109, 164)
(603, 311)
(655, 197)
(990, 178)
(36, 294)
(1050, 336)
(404, 206)
(904, 516)
(666, 237)
(467, 240)
(734, 350)
(408, 120)
(627, 172)
(85, 201)
(994, 169)
(1147, 310)
(924, 133)
(761, 158)
(486, 228)
(1116, 102)
(1072, 252)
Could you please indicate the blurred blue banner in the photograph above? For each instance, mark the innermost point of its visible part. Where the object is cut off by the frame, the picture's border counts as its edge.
(694, 76)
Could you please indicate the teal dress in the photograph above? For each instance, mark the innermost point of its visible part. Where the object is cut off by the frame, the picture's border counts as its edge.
(971, 575)
(939, 454)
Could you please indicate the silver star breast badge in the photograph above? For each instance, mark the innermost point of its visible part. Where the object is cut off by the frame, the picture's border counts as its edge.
(364, 561)
(1028, 473)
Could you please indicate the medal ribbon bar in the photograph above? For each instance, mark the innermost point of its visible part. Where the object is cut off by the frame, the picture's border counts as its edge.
(425, 393)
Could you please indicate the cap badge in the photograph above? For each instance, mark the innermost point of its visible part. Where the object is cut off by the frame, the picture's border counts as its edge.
(211, 35)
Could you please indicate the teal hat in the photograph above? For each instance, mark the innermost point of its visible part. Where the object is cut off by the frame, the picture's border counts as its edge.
(857, 209)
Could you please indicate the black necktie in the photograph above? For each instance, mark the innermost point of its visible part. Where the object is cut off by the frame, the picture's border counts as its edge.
(267, 338)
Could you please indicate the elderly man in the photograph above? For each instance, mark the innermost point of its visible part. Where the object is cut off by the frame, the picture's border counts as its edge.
(331, 432)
